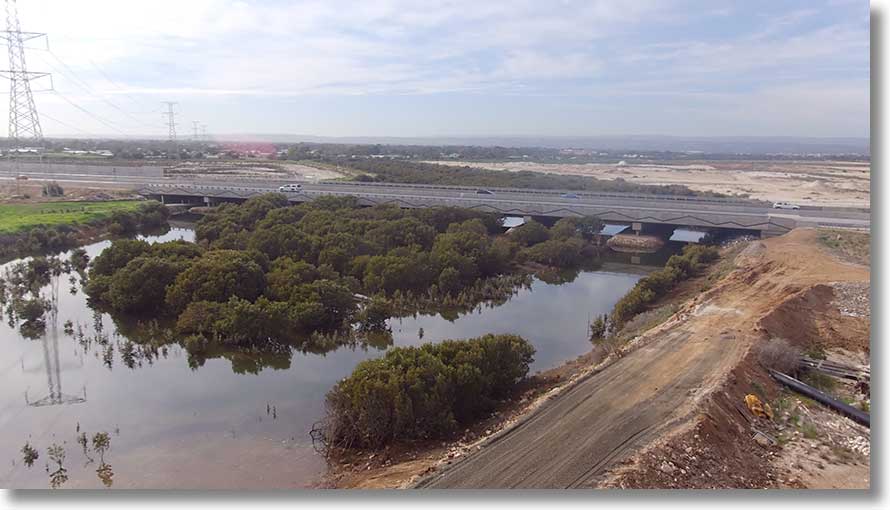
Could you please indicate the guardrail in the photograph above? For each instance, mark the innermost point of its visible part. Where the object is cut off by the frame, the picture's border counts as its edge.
(592, 194)
(715, 219)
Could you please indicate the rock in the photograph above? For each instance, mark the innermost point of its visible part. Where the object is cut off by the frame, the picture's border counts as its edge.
(667, 468)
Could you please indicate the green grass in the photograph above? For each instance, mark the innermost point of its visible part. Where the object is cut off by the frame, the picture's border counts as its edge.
(17, 217)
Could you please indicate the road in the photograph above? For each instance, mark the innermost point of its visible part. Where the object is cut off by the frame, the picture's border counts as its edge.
(506, 197)
(573, 439)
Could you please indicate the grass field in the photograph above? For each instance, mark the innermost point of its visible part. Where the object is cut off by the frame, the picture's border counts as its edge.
(17, 217)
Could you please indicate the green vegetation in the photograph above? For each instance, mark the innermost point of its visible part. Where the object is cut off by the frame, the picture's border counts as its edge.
(424, 392)
(849, 244)
(394, 170)
(55, 226)
(659, 283)
(18, 217)
(266, 272)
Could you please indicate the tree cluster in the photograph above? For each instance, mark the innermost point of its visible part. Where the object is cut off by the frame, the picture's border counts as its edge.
(424, 392)
(266, 270)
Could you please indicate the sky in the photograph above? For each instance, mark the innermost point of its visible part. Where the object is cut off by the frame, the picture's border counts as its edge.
(452, 68)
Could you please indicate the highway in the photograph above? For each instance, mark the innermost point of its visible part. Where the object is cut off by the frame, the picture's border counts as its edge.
(691, 211)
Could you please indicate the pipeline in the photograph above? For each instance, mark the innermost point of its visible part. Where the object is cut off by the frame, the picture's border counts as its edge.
(857, 415)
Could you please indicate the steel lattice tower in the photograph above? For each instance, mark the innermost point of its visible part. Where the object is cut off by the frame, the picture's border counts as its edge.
(24, 123)
(171, 120)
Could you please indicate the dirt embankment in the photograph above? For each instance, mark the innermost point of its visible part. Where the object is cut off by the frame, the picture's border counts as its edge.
(670, 410)
(818, 303)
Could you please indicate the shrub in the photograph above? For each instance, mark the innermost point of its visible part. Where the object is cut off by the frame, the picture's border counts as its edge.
(141, 286)
(235, 322)
(118, 255)
(374, 315)
(556, 252)
(425, 392)
(530, 233)
(658, 283)
(217, 276)
(52, 189)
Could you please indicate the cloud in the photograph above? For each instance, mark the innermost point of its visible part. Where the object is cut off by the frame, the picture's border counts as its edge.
(588, 49)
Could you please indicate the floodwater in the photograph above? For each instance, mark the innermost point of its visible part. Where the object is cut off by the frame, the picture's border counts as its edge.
(238, 420)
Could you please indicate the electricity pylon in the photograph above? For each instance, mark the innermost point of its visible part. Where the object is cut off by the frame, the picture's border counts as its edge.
(24, 123)
(171, 120)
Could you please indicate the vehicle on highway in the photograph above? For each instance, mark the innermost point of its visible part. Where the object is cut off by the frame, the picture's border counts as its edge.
(484, 192)
(785, 205)
(291, 188)
(570, 195)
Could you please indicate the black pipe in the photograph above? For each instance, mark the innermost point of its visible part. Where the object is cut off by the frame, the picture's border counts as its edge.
(857, 415)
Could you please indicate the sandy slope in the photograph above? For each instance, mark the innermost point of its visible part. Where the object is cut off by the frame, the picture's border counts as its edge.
(657, 389)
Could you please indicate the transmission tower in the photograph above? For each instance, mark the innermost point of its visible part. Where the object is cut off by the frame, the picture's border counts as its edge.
(195, 125)
(171, 119)
(24, 123)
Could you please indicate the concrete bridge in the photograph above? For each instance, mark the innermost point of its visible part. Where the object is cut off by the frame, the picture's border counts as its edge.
(638, 211)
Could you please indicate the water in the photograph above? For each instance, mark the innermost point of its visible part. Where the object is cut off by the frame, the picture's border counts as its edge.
(238, 420)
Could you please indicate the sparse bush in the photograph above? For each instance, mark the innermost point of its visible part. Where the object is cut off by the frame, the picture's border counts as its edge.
(52, 189)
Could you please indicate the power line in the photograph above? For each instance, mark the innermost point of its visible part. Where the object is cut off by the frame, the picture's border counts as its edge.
(120, 87)
(91, 114)
(69, 126)
(67, 71)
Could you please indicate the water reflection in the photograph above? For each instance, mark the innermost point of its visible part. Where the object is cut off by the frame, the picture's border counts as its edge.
(220, 418)
(59, 475)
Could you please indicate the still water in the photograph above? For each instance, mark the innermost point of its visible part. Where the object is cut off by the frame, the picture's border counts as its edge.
(234, 421)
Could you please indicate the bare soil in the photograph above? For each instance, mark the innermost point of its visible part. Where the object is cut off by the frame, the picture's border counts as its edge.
(30, 192)
(668, 409)
(815, 447)
(254, 169)
(823, 183)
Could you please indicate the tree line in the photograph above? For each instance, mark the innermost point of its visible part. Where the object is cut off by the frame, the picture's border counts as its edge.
(413, 172)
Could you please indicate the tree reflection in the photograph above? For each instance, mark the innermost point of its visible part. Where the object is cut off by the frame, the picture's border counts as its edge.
(105, 474)
(60, 475)
(29, 454)
(101, 444)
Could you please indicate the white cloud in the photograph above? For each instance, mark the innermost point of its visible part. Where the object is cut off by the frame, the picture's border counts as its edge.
(590, 49)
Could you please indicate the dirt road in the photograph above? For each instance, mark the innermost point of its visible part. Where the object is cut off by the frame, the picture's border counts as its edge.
(571, 441)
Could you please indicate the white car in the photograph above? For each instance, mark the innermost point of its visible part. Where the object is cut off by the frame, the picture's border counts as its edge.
(785, 205)
(291, 188)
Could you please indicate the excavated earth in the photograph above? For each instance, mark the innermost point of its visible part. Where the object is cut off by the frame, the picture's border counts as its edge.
(671, 412)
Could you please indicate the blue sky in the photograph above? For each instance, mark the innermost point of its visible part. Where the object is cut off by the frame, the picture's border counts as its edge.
(459, 68)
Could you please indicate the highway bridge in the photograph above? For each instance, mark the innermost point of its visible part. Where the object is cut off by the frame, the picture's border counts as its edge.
(637, 211)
